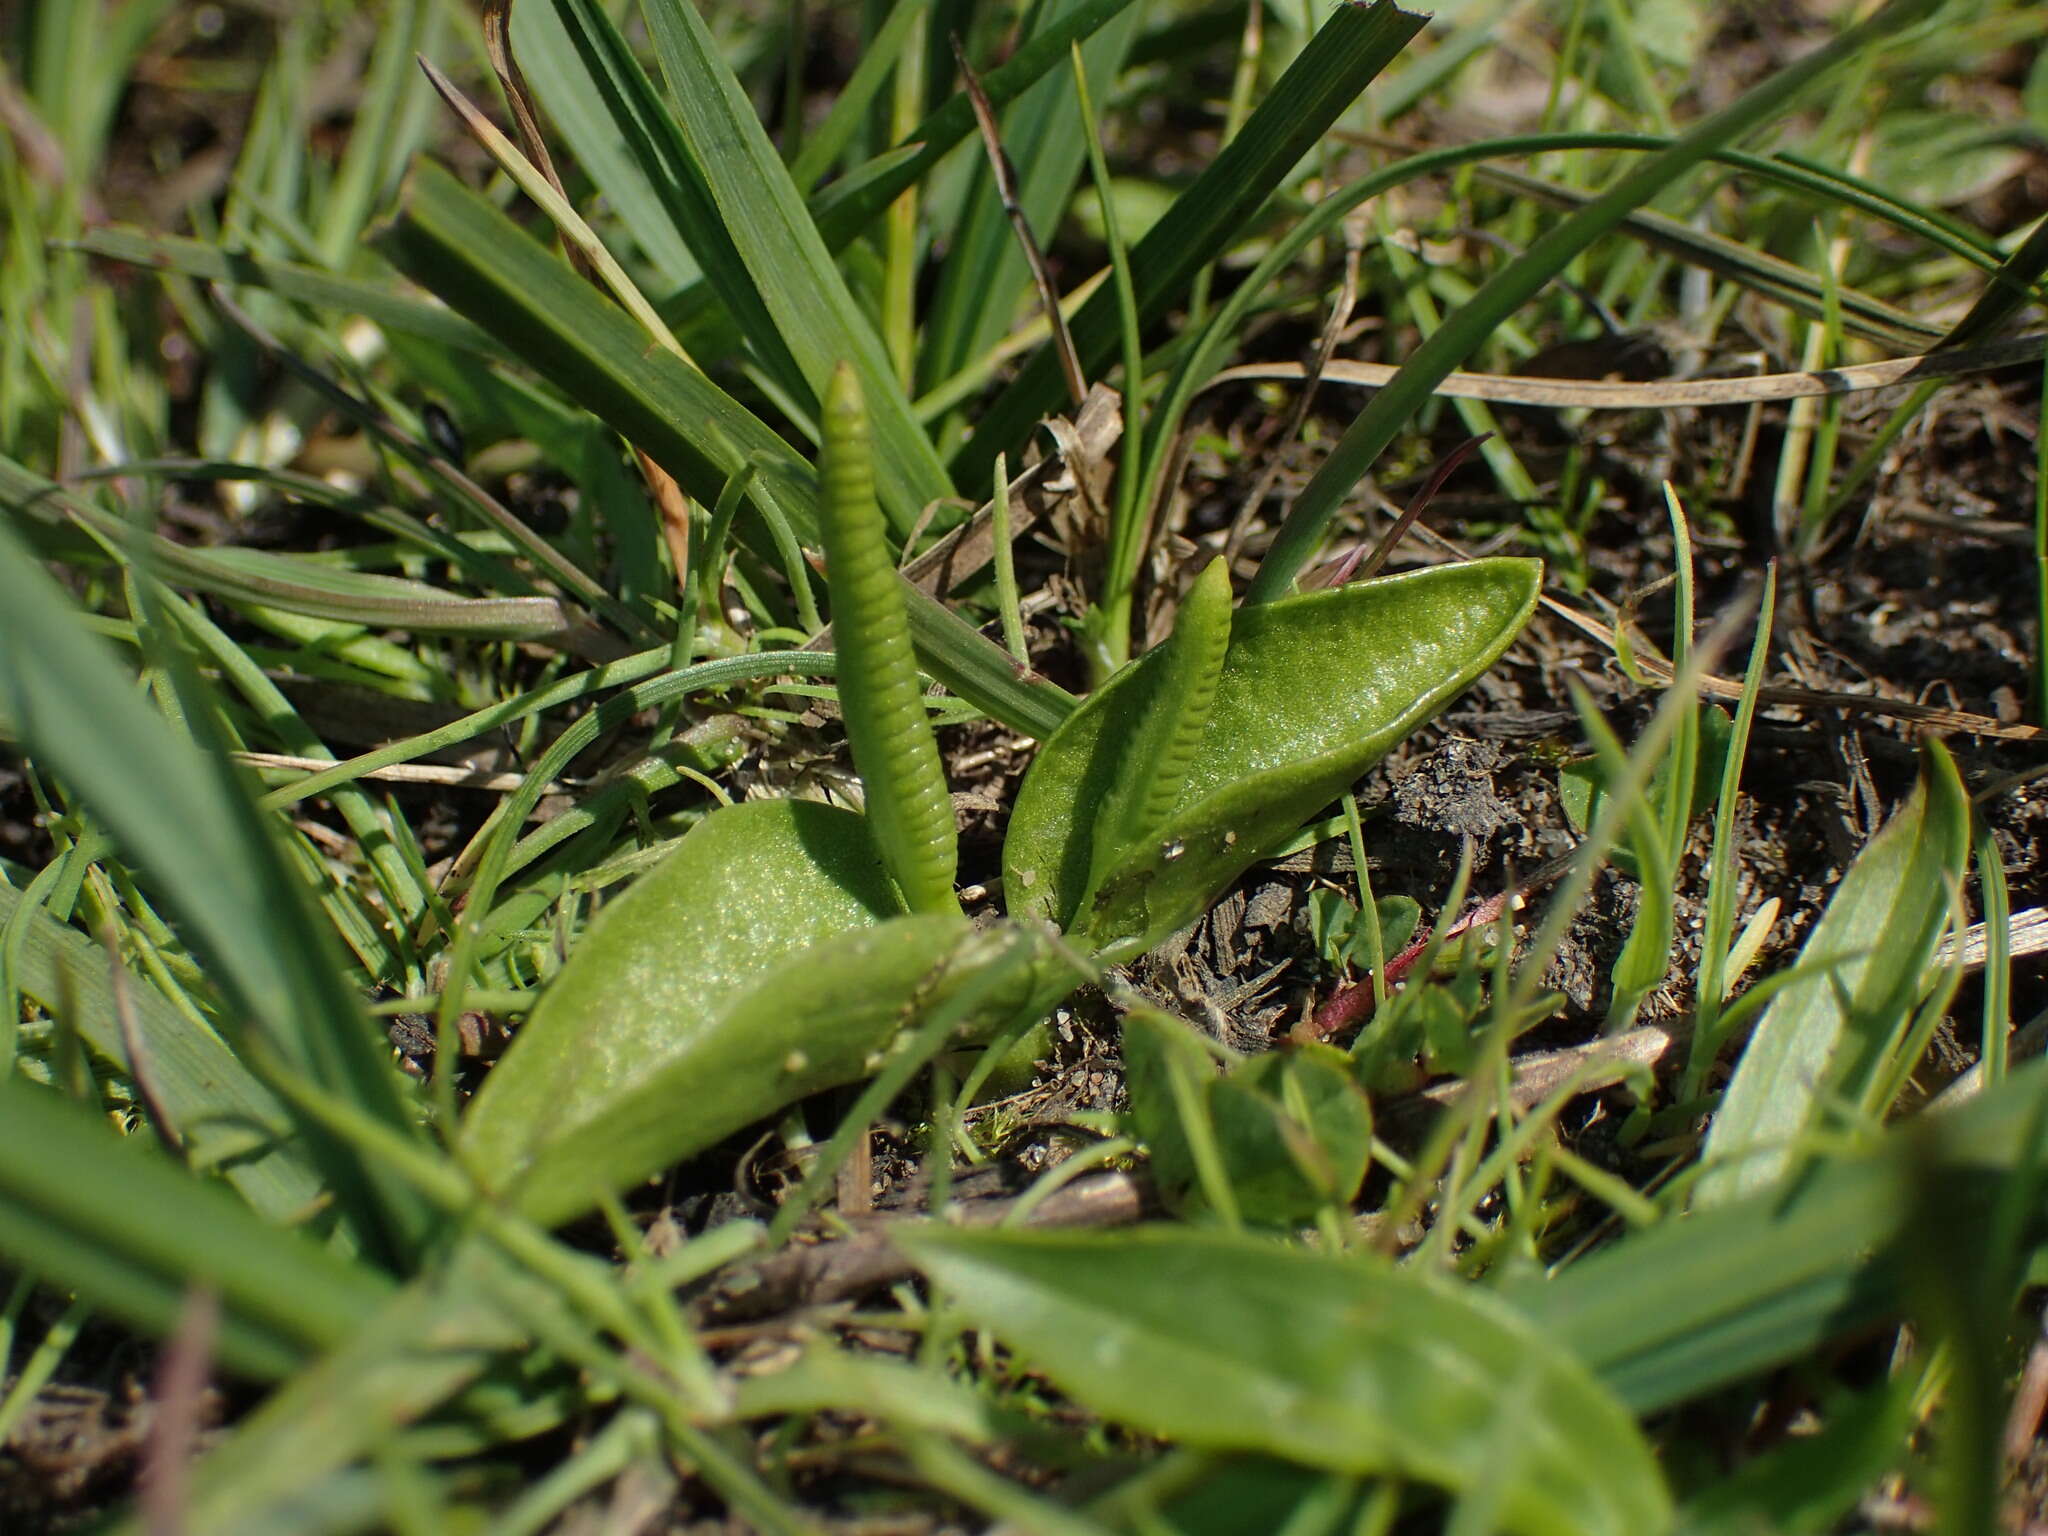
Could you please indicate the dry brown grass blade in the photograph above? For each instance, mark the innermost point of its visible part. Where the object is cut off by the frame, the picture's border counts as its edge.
(402, 773)
(175, 1427)
(497, 20)
(1666, 394)
(1574, 1069)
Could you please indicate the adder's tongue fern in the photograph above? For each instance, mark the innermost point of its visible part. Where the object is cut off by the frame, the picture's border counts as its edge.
(893, 745)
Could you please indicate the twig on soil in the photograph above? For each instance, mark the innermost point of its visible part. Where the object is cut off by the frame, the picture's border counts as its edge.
(817, 1274)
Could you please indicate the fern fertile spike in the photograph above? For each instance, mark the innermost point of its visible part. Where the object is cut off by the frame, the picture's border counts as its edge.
(1163, 747)
(893, 745)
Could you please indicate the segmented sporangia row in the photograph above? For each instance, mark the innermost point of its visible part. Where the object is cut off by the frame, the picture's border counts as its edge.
(893, 745)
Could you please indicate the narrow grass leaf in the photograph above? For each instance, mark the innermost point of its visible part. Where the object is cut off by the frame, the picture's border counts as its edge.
(1761, 273)
(442, 1340)
(1225, 1344)
(984, 273)
(385, 306)
(1868, 959)
(270, 580)
(462, 248)
(392, 121)
(818, 319)
(975, 667)
(1737, 1289)
(825, 1378)
(846, 208)
(131, 1232)
(824, 144)
(583, 99)
(2012, 287)
(636, 120)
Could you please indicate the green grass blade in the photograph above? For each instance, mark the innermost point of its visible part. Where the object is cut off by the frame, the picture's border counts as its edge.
(423, 1346)
(1691, 1306)
(984, 273)
(966, 661)
(582, 100)
(1712, 983)
(763, 215)
(291, 280)
(1521, 279)
(1824, 1037)
(132, 1232)
(391, 121)
(635, 116)
(1128, 524)
(460, 247)
(853, 202)
(265, 579)
(223, 1116)
(878, 61)
(2012, 287)
(1759, 271)
(1340, 61)
(189, 822)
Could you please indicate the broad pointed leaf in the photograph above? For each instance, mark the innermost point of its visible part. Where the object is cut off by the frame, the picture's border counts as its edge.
(653, 983)
(1313, 692)
(1226, 1344)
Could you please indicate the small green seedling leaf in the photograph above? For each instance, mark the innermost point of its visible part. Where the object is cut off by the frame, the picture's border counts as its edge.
(1225, 1344)
(1295, 1131)
(1168, 1072)
(1313, 691)
(893, 746)
(1340, 938)
(1289, 1132)
(1866, 965)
